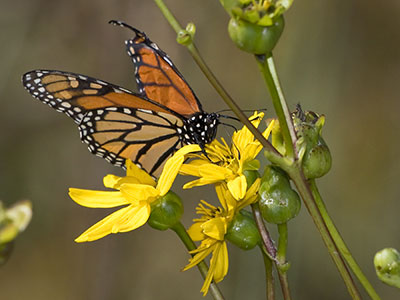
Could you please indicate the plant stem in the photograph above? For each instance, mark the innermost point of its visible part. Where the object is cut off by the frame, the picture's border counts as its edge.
(282, 265)
(269, 277)
(294, 170)
(296, 174)
(202, 266)
(215, 83)
(267, 68)
(265, 236)
(344, 251)
(269, 249)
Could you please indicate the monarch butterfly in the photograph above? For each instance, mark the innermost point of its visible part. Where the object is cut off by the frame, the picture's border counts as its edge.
(117, 124)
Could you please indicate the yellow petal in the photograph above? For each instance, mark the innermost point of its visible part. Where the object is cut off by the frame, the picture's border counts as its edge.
(139, 192)
(200, 256)
(138, 216)
(220, 259)
(225, 197)
(114, 182)
(172, 167)
(133, 170)
(192, 168)
(132, 216)
(251, 195)
(99, 199)
(217, 267)
(238, 187)
(267, 131)
(196, 232)
(215, 228)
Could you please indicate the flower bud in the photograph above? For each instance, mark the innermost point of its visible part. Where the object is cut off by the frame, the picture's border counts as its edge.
(278, 201)
(254, 38)
(243, 231)
(387, 266)
(166, 211)
(316, 157)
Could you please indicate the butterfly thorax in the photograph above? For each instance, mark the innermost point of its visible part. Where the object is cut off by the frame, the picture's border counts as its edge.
(200, 128)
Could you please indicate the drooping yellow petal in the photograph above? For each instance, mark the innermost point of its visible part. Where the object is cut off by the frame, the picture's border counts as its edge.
(138, 216)
(238, 187)
(133, 170)
(97, 199)
(225, 197)
(220, 259)
(217, 267)
(139, 192)
(215, 228)
(251, 195)
(108, 224)
(200, 256)
(196, 232)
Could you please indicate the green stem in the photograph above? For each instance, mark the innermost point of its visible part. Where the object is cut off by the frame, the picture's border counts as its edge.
(344, 251)
(215, 83)
(265, 236)
(269, 277)
(202, 266)
(267, 68)
(296, 174)
(269, 249)
(282, 265)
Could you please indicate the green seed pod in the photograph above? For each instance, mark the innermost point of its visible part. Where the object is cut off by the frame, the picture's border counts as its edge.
(387, 266)
(255, 38)
(316, 159)
(243, 231)
(166, 211)
(278, 201)
(251, 176)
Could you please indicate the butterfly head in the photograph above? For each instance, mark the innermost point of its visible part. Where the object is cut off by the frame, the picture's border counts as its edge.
(200, 128)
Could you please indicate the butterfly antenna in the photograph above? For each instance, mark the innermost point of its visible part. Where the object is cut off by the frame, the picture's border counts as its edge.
(229, 125)
(123, 24)
(246, 110)
(230, 117)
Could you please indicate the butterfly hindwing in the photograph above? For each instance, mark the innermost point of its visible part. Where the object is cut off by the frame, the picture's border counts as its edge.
(147, 138)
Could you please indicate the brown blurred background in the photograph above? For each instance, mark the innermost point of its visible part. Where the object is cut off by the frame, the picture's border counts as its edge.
(340, 58)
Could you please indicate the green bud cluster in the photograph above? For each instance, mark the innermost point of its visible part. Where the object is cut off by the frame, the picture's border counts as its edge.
(256, 27)
(278, 201)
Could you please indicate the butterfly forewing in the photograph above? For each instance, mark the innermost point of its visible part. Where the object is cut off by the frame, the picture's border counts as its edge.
(158, 78)
(75, 94)
(145, 137)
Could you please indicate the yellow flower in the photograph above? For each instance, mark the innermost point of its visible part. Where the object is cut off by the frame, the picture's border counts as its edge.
(137, 190)
(226, 164)
(211, 229)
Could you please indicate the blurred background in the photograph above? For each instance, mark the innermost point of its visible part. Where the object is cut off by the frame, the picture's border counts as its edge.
(340, 58)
